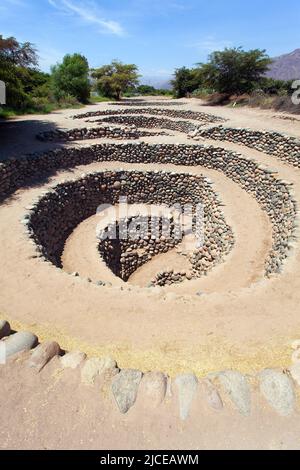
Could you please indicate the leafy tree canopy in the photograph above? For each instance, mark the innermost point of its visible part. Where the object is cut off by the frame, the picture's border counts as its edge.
(234, 71)
(20, 54)
(185, 81)
(18, 63)
(71, 77)
(114, 79)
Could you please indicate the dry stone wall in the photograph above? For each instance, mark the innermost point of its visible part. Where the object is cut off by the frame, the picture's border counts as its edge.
(273, 195)
(125, 255)
(53, 218)
(273, 143)
(147, 103)
(152, 122)
(125, 133)
(177, 114)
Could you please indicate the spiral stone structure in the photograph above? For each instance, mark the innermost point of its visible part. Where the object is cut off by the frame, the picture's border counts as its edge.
(221, 315)
(214, 296)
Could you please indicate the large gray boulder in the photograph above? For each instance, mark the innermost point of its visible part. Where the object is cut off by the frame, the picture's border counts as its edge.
(187, 387)
(238, 390)
(125, 388)
(21, 341)
(277, 388)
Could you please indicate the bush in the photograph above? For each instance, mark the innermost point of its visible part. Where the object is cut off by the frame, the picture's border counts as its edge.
(203, 92)
(71, 78)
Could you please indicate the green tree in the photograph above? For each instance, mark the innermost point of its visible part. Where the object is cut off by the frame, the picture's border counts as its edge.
(234, 71)
(146, 90)
(71, 77)
(185, 81)
(18, 62)
(151, 90)
(115, 79)
(276, 87)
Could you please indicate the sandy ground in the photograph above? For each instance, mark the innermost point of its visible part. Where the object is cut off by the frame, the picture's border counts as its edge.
(241, 320)
(54, 410)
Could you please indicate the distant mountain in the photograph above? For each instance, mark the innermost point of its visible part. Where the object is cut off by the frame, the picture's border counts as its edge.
(286, 67)
(156, 82)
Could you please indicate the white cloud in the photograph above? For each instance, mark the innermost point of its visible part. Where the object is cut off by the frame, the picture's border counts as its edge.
(89, 14)
(211, 44)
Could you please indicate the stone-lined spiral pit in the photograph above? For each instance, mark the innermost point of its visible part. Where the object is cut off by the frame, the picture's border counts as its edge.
(125, 133)
(53, 218)
(177, 114)
(97, 307)
(123, 255)
(152, 122)
(273, 194)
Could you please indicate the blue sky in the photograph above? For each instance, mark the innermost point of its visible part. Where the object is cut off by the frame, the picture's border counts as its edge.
(157, 35)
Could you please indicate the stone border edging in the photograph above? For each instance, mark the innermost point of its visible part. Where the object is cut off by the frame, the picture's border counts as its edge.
(278, 389)
(120, 133)
(284, 147)
(182, 114)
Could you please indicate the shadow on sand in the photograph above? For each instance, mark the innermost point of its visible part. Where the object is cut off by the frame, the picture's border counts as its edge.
(18, 137)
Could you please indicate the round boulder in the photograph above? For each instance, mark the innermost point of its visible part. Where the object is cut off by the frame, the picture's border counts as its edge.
(21, 341)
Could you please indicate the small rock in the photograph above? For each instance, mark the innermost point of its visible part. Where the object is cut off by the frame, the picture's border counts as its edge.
(21, 341)
(277, 388)
(237, 387)
(187, 387)
(43, 354)
(4, 329)
(153, 388)
(125, 388)
(72, 359)
(96, 366)
(117, 185)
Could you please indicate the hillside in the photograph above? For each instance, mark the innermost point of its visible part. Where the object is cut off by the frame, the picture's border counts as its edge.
(286, 67)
